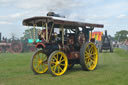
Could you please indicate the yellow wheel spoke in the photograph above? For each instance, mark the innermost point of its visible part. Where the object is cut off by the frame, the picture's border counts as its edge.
(93, 54)
(57, 56)
(43, 58)
(86, 55)
(34, 62)
(86, 58)
(62, 60)
(38, 64)
(53, 62)
(88, 65)
(55, 68)
(60, 68)
(90, 49)
(87, 49)
(54, 58)
(62, 64)
(86, 52)
(52, 67)
(44, 62)
(45, 66)
(93, 61)
(38, 57)
(38, 67)
(93, 58)
(90, 62)
(60, 57)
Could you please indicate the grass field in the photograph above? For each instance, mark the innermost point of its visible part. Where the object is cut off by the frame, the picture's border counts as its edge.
(112, 70)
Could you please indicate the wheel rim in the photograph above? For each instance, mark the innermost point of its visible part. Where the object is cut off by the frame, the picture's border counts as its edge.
(91, 56)
(58, 63)
(39, 62)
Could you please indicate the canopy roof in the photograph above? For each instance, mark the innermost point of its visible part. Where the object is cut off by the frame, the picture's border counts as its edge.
(39, 20)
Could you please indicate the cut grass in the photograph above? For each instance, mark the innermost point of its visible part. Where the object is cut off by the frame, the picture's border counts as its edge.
(122, 53)
(112, 70)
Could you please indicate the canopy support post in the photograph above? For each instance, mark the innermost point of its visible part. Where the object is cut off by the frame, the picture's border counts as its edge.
(42, 26)
(62, 36)
(51, 31)
(91, 32)
(34, 33)
(47, 32)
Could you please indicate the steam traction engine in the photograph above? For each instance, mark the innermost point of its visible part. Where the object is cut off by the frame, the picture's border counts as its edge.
(64, 43)
(106, 43)
(13, 46)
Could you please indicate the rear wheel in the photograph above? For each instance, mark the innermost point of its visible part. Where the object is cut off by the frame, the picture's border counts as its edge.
(39, 63)
(16, 47)
(57, 63)
(88, 56)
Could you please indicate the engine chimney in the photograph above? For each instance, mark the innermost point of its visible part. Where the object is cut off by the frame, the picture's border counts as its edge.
(105, 32)
(54, 14)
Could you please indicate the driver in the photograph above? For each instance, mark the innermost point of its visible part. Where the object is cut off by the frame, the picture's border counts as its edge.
(42, 35)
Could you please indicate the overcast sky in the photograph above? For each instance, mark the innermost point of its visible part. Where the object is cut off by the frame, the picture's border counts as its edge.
(112, 13)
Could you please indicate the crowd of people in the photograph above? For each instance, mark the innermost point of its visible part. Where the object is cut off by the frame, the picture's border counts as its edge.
(124, 44)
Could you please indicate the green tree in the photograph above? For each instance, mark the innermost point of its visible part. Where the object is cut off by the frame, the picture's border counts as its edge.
(30, 34)
(121, 35)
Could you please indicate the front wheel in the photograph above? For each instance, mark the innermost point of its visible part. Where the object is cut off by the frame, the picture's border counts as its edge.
(57, 63)
(88, 56)
(39, 62)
